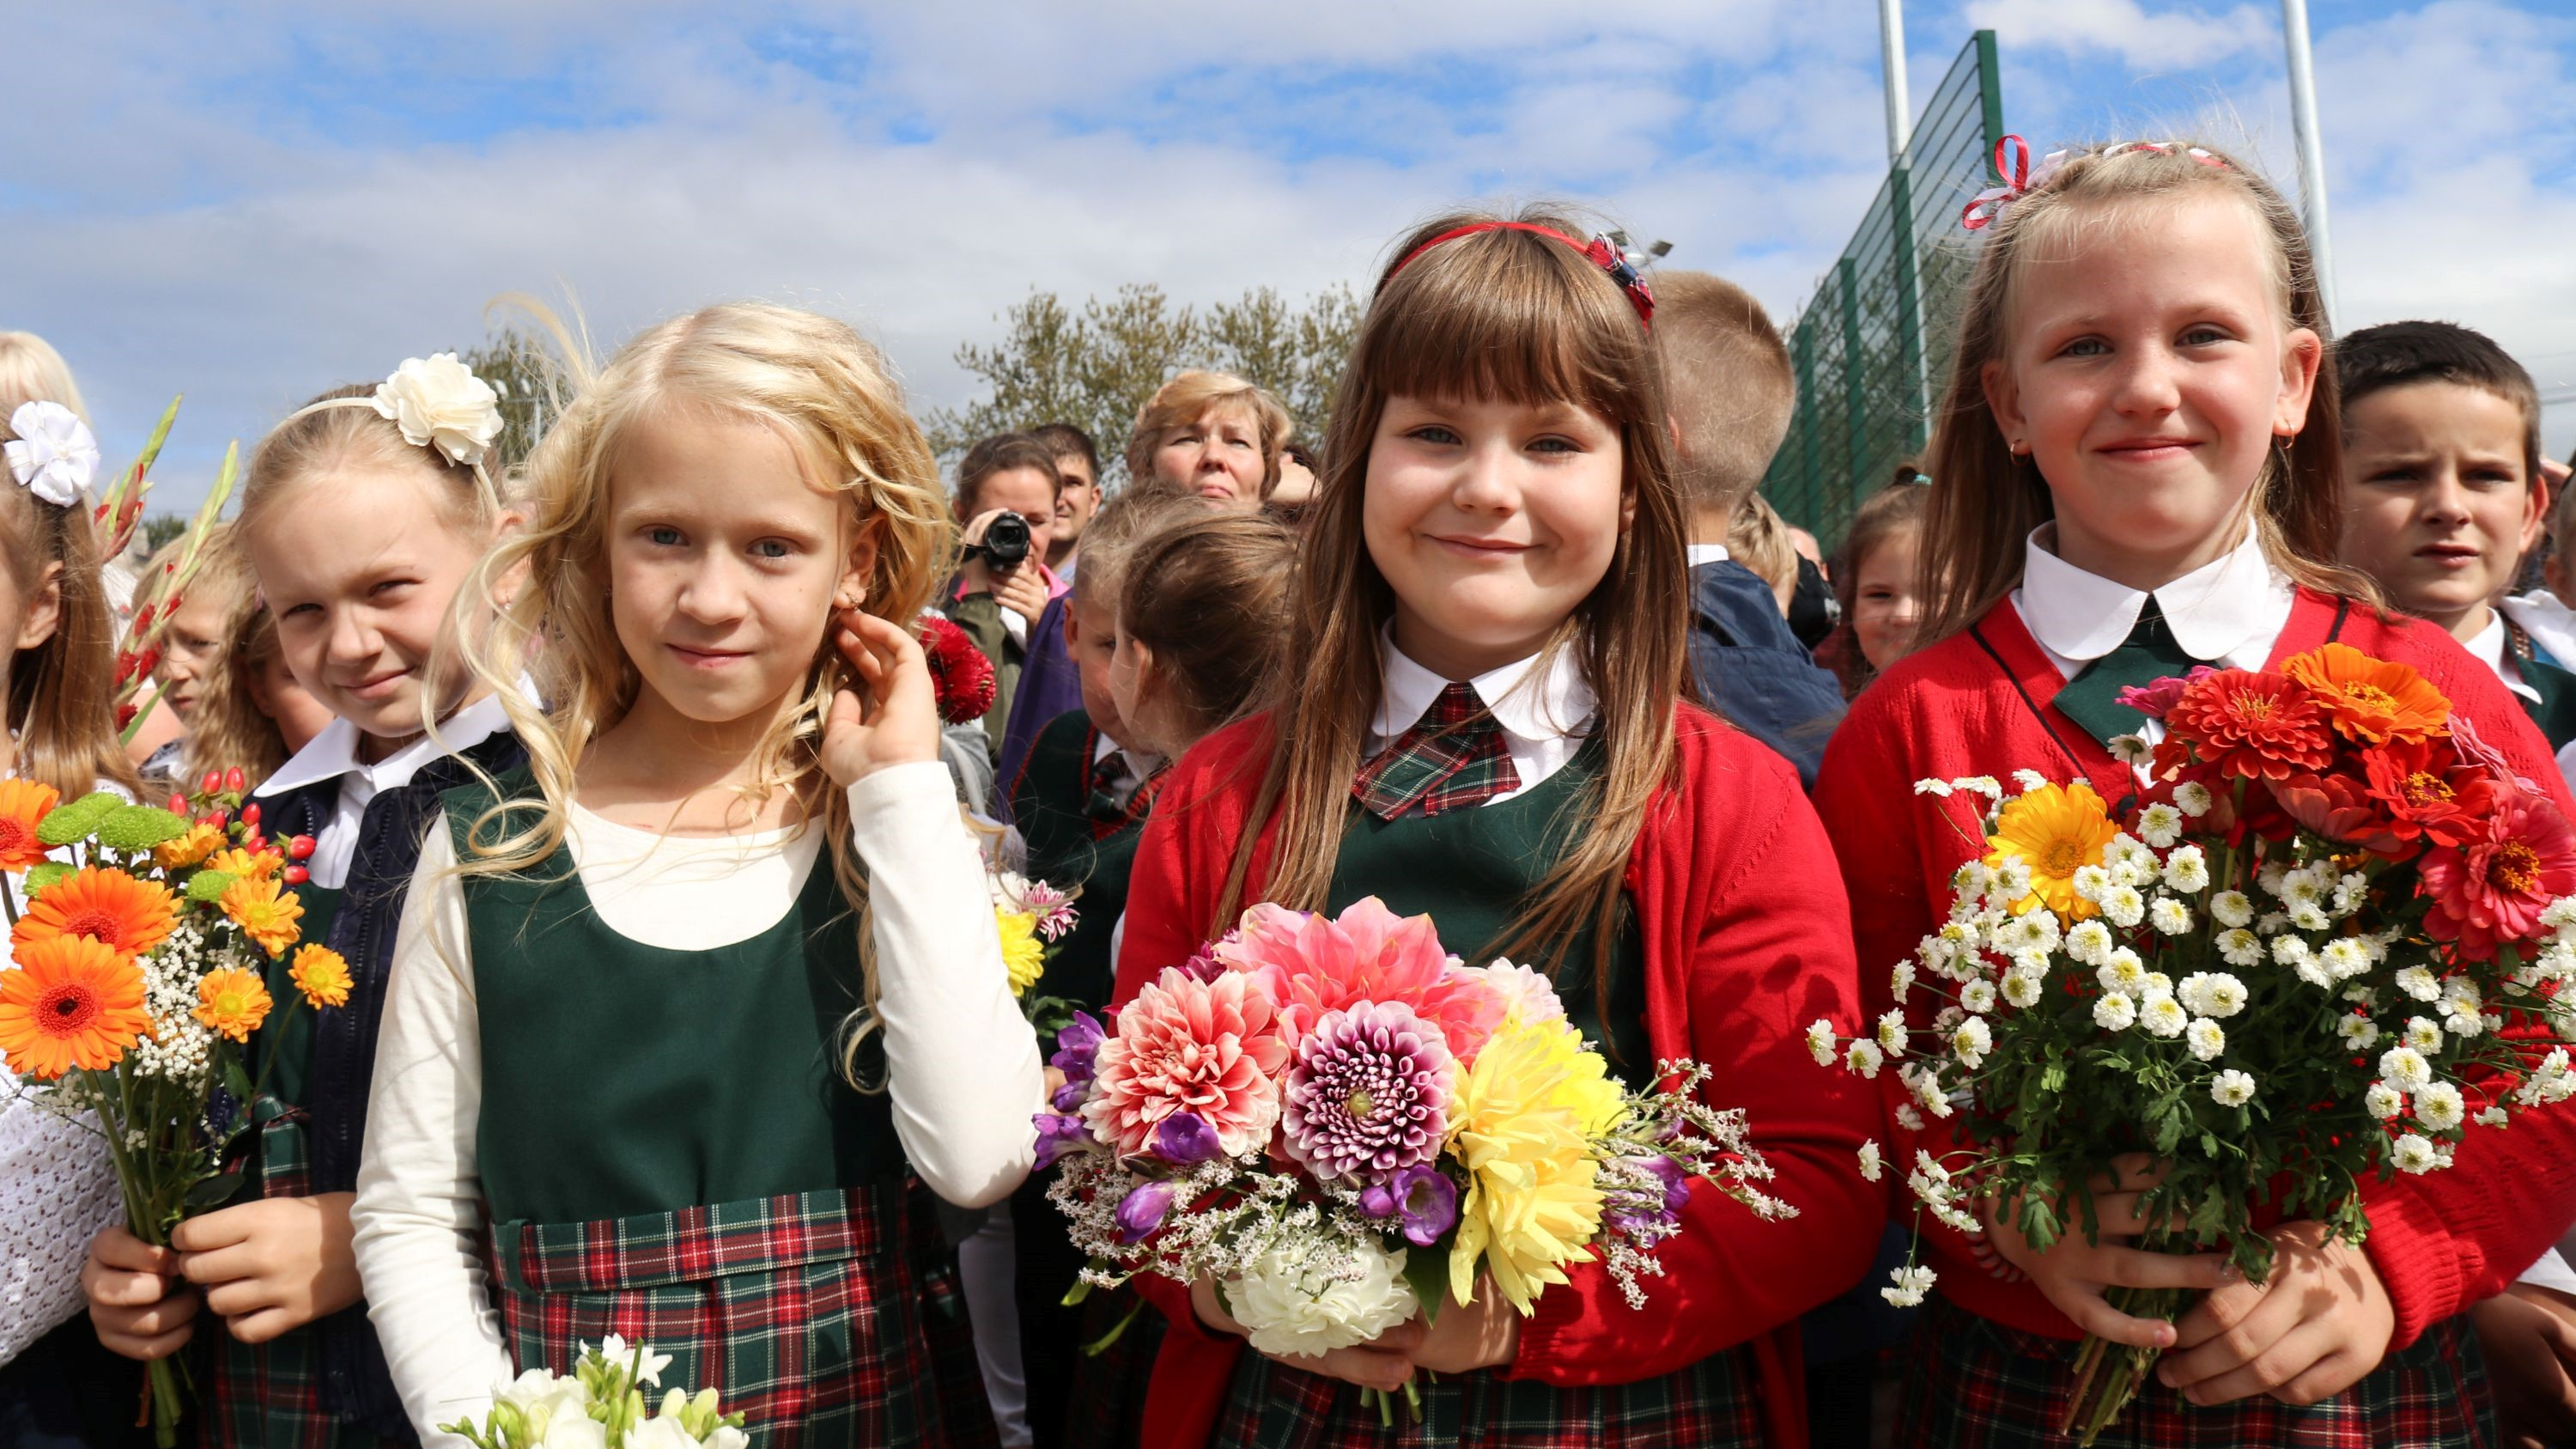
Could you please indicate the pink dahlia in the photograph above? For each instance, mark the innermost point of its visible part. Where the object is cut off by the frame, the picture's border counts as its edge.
(2491, 889)
(1209, 1048)
(1367, 1093)
(1312, 965)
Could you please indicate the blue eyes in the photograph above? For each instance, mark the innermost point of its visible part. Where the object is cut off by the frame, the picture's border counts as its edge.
(771, 550)
(663, 537)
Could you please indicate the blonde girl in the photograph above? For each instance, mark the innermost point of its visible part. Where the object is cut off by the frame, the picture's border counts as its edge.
(1494, 575)
(2137, 470)
(693, 1013)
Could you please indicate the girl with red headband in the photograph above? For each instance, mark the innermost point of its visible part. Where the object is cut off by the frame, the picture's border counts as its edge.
(1484, 722)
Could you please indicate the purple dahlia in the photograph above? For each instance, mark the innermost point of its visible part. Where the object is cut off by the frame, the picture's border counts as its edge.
(1367, 1093)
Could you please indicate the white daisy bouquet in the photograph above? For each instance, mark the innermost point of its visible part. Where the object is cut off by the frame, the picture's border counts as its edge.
(1343, 1126)
(601, 1405)
(2323, 941)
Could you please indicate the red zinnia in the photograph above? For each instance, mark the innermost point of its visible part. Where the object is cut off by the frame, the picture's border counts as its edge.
(959, 672)
(2426, 789)
(2263, 726)
(2491, 890)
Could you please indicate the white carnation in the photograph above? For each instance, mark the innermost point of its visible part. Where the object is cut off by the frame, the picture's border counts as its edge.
(1295, 1303)
(438, 402)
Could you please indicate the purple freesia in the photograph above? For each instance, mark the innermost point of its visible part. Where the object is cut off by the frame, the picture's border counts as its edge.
(1075, 1048)
(1141, 1211)
(1059, 1135)
(1185, 1140)
(1069, 1096)
(1423, 1196)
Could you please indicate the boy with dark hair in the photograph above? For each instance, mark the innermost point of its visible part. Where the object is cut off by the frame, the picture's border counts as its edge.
(1729, 384)
(1077, 462)
(1004, 585)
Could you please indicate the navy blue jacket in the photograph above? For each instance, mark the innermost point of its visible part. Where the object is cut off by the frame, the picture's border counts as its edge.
(1751, 669)
(355, 1382)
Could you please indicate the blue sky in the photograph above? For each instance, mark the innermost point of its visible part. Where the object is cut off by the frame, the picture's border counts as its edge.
(250, 203)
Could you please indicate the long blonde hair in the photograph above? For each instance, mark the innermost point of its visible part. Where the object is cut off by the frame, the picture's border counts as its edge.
(1496, 314)
(1989, 500)
(230, 730)
(545, 586)
(62, 693)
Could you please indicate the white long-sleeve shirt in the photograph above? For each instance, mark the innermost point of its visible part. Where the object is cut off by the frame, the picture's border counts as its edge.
(962, 1064)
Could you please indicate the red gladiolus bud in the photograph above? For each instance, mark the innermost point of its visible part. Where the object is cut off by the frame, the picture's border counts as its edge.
(297, 875)
(100, 514)
(300, 848)
(143, 617)
(133, 511)
(150, 661)
(234, 780)
(124, 715)
(213, 781)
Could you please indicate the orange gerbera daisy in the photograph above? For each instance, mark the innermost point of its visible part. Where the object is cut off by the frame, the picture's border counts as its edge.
(71, 1002)
(232, 1001)
(189, 849)
(22, 804)
(2370, 699)
(128, 915)
(322, 974)
(264, 913)
(248, 864)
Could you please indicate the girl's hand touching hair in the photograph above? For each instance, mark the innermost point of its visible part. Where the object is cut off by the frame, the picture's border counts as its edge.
(893, 719)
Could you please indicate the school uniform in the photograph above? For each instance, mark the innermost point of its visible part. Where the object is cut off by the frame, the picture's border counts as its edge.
(2510, 647)
(2026, 687)
(1731, 941)
(1750, 668)
(325, 1384)
(610, 1098)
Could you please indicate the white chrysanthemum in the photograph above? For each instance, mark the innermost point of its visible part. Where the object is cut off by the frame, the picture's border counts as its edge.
(2206, 1038)
(1947, 1020)
(2022, 990)
(1986, 785)
(2169, 916)
(2131, 750)
(2309, 916)
(1900, 978)
(2420, 983)
(2383, 1101)
(1871, 1167)
(1977, 997)
(2187, 871)
(2232, 1088)
(2240, 947)
(2029, 780)
(1891, 1031)
(2232, 908)
(2492, 1116)
(2465, 1025)
(2158, 981)
(2295, 953)
(2090, 943)
(2163, 1016)
(1820, 1041)
(2405, 1069)
(1298, 1303)
(1864, 1057)
(2350, 892)
(2423, 1034)
(1908, 1287)
(2160, 825)
(1908, 1118)
(1972, 1041)
(2344, 958)
(2129, 860)
(2359, 1033)
(2194, 799)
(2441, 1107)
(2212, 993)
(2089, 882)
(2115, 1011)
(2125, 971)
(2124, 905)
(1937, 789)
(2414, 1152)
(2012, 881)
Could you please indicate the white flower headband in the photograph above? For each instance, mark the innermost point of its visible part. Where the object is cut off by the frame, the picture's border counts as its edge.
(54, 455)
(438, 403)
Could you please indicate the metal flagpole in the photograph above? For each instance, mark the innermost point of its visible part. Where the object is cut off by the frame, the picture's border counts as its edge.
(2312, 151)
(1891, 51)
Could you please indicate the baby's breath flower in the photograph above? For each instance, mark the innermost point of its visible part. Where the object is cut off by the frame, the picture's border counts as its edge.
(2232, 1088)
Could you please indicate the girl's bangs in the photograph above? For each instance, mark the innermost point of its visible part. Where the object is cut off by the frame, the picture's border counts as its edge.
(1496, 317)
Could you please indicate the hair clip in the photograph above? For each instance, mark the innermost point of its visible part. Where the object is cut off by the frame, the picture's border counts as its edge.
(1602, 252)
(54, 455)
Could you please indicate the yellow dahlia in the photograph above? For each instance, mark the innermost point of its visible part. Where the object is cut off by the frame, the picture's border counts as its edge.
(322, 974)
(1522, 1123)
(1022, 952)
(264, 914)
(232, 1001)
(190, 849)
(2056, 830)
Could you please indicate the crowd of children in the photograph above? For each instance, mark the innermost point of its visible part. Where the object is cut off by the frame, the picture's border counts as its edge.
(677, 1010)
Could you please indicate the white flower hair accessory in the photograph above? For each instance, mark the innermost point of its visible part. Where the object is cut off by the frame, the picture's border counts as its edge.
(438, 402)
(54, 455)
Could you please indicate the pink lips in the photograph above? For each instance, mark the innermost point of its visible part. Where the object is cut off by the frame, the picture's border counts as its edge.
(378, 687)
(1479, 548)
(706, 658)
(2149, 450)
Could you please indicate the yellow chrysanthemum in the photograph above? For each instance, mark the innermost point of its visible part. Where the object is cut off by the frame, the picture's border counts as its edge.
(1521, 1122)
(248, 864)
(322, 974)
(264, 914)
(232, 1001)
(2056, 830)
(1022, 952)
(189, 849)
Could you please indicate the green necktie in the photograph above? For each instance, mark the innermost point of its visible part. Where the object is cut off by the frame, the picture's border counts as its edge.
(2150, 653)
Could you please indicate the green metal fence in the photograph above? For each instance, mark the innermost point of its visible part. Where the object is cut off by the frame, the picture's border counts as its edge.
(1872, 345)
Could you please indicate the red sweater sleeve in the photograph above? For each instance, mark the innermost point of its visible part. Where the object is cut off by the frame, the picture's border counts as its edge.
(1737, 882)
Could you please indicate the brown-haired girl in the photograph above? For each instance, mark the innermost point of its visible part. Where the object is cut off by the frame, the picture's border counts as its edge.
(1878, 582)
(1494, 578)
(251, 715)
(2136, 467)
(698, 1008)
(1201, 618)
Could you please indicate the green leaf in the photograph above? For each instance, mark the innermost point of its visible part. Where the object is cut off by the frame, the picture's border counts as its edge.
(137, 828)
(208, 886)
(68, 823)
(237, 1081)
(1426, 1271)
(214, 1191)
(44, 873)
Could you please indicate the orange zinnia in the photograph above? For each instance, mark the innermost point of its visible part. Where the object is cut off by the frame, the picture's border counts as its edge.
(247, 864)
(263, 914)
(71, 1002)
(22, 804)
(128, 915)
(322, 974)
(2369, 699)
(232, 1001)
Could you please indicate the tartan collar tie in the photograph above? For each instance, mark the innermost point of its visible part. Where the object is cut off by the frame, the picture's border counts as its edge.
(1109, 796)
(1454, 758)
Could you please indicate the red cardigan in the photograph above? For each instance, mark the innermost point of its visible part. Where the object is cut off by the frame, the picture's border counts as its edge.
(1978, 703)
(1743, 922)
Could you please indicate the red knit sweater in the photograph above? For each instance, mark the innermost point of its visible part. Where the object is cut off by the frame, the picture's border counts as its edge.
(1978, 704)
(1735, 894)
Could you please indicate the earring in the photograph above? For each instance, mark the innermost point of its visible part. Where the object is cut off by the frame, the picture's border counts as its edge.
(2019, 448)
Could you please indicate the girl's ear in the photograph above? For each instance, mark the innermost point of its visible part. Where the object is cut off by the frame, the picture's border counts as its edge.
(850, 591)
(2302, 354)
(2003, 399)
(44, 611)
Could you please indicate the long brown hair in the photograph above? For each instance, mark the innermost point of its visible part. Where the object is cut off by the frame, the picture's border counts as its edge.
(1208, 593)
(62, 693)
(230, 731)
(1516, 316)
(1989, 500)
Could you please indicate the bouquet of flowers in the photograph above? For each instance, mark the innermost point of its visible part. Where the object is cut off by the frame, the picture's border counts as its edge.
(2325, 939)
(138, 978)
(1344, 1126)
(1032, 916)
(600, 1405)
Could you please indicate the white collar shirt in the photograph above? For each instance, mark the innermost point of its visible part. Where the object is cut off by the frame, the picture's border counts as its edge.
(2489, 647)
(1545, 715)
(333, 754)
(2227, 612)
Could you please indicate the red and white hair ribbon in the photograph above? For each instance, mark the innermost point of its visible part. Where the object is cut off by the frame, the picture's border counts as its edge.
(2012, 163)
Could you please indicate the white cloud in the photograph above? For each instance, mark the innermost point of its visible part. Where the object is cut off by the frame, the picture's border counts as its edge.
(2126, 29)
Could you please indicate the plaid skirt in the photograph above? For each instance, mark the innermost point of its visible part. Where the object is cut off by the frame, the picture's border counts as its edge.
(827, 1318)
(1713, 1404)
(269, 1395)
(1971, 1383)
(1107, 1407)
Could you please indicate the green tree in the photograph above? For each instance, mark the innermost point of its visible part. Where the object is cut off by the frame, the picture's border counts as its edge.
(158, 529)
(516, 366)
(1096, 367)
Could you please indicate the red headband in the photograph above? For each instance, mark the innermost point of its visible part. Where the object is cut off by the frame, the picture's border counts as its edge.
(1601, 253)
